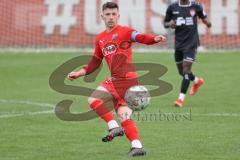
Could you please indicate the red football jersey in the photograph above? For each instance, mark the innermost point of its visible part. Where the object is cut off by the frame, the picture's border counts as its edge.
(115, 47)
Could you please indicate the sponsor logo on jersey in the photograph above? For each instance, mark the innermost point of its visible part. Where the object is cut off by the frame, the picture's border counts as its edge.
(101, 42)
(188, 21)
(109, 48)
(175, 12)
(192, 12)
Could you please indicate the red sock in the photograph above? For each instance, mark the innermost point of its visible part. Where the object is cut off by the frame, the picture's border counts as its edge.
(102, 110)
(130, 130)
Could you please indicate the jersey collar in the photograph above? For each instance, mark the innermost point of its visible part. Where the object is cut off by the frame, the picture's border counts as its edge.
(112, 29)
(187, 5)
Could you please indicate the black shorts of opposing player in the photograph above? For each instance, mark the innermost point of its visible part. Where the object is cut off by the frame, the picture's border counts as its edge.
(187, 55)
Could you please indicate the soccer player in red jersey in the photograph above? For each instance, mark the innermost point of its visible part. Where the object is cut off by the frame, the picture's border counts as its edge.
(114, 45)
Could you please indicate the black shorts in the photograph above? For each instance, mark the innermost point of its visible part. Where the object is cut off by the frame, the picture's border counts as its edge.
(185, 55)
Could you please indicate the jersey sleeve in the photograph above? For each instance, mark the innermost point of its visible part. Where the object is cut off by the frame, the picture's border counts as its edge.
(200, 12)
(96, 59)
(134, 36)
(169, 15)
(97, 51)
(129, 34)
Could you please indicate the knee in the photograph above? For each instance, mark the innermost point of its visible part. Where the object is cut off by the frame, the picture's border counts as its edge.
(186, 71)
(124, 113)
(180, 73)
(188, 76)
(91, 100)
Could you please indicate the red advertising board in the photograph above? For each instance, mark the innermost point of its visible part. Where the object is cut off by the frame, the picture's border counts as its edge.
(74, 23)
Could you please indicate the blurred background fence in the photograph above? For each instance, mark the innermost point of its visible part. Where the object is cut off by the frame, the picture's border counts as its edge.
(64, 24)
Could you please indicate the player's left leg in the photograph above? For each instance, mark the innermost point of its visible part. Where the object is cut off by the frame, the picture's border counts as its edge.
(131, 131)
(197, 81)
(180, 68)
(187, 75)
(178, 56)
(189, 58)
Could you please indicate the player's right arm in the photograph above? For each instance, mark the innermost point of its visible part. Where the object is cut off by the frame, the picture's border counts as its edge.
(94, 63)
(74, 75)
(168, 21)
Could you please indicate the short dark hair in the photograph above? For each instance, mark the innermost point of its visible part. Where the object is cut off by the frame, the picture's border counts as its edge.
(111, 5)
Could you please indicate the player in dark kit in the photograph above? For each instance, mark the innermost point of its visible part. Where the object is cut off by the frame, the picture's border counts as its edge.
(114, 45)
(182, 16)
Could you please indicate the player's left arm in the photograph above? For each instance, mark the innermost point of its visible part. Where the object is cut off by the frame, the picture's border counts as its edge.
(203, 15)
(146, 38)
(207, 22)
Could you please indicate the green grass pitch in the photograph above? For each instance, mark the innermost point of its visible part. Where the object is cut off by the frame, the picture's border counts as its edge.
(30, 131)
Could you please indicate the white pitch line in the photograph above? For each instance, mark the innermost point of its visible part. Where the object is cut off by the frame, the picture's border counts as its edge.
(218, 114)
(19, 114)
(27, 102)
(25, 114)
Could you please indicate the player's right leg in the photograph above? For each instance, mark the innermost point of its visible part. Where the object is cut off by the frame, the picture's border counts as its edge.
(180, 68)
(179, 63)
(97, 102)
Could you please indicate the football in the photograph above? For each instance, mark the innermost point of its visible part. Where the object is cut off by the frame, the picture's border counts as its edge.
(137, 97)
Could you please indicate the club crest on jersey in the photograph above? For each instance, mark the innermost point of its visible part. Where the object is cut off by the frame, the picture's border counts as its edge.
(101, 42)
(114, 36)
(192, 12)
(109, 48)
